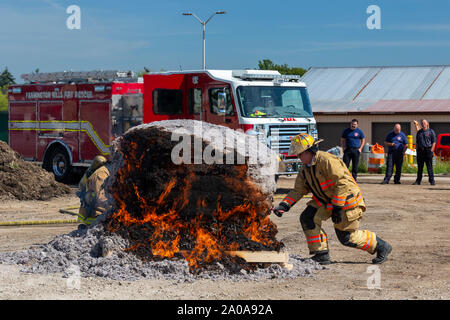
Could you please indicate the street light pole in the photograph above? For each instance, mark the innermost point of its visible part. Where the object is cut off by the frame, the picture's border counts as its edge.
(204, 47)
(203, 23)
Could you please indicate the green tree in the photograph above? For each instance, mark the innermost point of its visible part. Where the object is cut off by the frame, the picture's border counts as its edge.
(6, 78)
(267, 64)
(3, 100)
(4, 89)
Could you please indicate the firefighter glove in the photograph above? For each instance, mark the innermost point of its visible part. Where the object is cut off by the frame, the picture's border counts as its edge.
(336, 215)
(281, 208)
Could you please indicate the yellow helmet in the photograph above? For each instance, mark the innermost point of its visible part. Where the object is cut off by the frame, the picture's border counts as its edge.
(97, 162)
(301, 143)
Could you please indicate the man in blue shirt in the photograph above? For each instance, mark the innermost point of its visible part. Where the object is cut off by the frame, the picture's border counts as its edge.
(425, 144)
(352, 141)
(396, 142)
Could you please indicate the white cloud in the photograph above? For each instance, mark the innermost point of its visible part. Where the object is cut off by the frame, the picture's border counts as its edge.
(54, 4)
(345, 45)
(423, 27)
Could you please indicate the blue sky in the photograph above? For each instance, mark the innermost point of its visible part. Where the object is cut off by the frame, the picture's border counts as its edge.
(132, 34)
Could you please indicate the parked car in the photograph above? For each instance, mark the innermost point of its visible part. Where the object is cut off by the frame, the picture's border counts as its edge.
(442, 149)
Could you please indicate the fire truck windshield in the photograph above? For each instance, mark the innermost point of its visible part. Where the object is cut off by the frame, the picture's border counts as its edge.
(274, 102)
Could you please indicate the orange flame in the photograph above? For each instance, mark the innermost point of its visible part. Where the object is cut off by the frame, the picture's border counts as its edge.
(209, 231)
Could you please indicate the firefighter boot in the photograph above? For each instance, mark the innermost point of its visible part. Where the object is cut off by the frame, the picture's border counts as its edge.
(382, 250)
(322, 257)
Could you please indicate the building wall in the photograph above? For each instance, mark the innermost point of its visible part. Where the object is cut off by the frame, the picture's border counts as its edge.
(365, 122)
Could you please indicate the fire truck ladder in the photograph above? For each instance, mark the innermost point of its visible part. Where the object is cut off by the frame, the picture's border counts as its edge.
(81, 76)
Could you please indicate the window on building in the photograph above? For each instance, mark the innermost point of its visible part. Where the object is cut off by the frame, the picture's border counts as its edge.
(220, 101)
(195, 101)
(167, 101)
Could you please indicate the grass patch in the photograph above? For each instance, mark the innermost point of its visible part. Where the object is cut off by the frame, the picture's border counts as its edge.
(362, 168)
(441, 167)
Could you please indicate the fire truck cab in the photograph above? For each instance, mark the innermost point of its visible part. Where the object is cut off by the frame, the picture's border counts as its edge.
(264, 103)
(64, 119)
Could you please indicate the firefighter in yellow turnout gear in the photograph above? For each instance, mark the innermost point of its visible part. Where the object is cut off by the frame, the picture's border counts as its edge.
(91, 191)
(335, 194)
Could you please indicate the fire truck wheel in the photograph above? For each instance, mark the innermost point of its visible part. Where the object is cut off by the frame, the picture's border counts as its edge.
(59, 164)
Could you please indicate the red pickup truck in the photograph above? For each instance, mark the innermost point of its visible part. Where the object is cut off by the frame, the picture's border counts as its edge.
(442, 149)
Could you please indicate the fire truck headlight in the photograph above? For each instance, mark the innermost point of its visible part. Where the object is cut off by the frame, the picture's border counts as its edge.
(258, 127)
(259, 132)
(274, 138)
(313, 130)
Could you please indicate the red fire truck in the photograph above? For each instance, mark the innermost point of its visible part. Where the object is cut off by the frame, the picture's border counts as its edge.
(66, 119)
(63, 120)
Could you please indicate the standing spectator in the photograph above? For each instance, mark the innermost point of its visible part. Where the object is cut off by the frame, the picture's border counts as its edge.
(352, 141)
(425, 144)
(396, 142)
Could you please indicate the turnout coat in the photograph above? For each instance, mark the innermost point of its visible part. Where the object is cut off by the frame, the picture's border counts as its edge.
(331, 184)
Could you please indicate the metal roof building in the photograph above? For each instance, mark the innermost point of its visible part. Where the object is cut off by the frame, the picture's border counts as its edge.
(378, 97)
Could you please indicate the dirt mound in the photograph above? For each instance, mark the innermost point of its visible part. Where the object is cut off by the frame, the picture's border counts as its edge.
(24, 180)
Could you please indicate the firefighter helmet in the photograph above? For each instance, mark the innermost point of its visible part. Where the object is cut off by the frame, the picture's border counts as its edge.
(301, 143)
(97, 163)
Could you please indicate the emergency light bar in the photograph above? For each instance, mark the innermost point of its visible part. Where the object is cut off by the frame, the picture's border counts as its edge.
(74, 76)
(264, 75)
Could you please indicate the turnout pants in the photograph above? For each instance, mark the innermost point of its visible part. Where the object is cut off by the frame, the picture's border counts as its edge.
(352, 154)
(347, 230)
(394, 158)
(425, 156)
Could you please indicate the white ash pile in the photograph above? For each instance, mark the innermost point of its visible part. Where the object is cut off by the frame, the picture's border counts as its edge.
(96, 253)
(176, 214)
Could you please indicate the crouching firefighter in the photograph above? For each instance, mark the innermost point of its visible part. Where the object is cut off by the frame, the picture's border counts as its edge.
(335, 194)
(91, 192)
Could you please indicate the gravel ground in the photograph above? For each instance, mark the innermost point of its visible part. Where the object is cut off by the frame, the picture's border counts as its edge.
(413, 219)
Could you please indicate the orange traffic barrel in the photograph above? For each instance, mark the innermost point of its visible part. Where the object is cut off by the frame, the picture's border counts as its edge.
(376, 158)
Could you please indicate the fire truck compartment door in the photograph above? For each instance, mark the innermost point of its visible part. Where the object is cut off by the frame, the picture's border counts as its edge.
(50, 125)
(95, 128)
(23, 128)
(50, 119)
